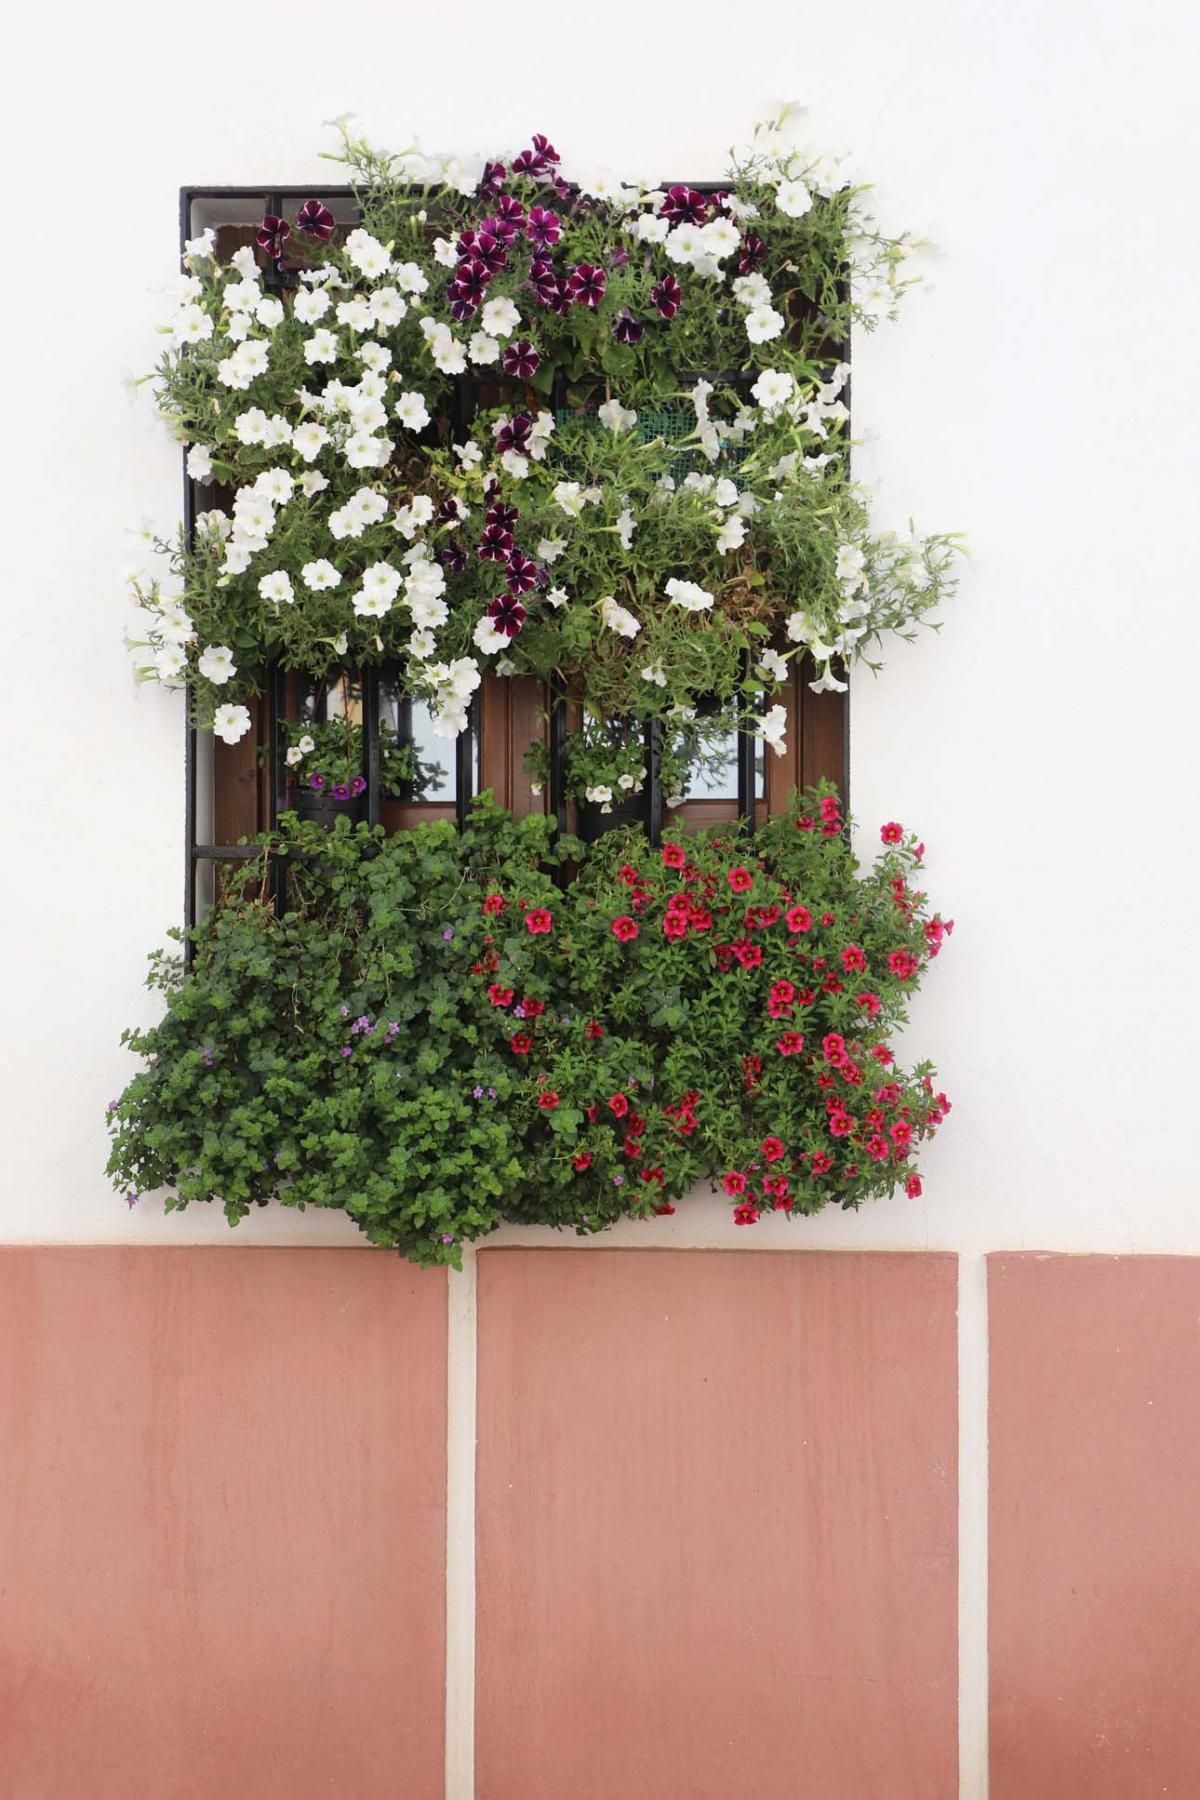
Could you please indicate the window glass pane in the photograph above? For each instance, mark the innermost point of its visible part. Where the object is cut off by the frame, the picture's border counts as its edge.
(705, 754)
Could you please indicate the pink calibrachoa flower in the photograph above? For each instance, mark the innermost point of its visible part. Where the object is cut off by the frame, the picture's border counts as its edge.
(740, 879)
(790, 1044)
(521, 1044)
(539, 920)
(734, 1182)
(853, 959)
(772, 1149)
(891, 833)
(581, 1160)
(618, 1105)
(798, 918)
(902, 964)
(745, 1214)
(912, 1187)
(624, 928)
(548, 1100)
(495, 903)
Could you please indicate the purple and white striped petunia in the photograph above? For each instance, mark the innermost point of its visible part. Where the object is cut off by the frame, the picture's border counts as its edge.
(315, 221)
(507, 614)
(521, 360)
(586, 283)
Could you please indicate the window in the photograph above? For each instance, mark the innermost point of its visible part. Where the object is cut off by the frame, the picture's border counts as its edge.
(234, 792)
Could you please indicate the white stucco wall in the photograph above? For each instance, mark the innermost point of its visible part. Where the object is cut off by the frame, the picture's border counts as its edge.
(1040, 394)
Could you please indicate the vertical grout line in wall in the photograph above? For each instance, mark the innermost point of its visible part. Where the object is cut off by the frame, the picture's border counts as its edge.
(972, 1528)
(460, 1531)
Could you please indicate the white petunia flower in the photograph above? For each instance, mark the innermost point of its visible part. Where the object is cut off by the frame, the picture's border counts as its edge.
(412, 411)
(309, 440)
(411, 277)
(793, 198)
(367, 254)
(850, 567)
(388, 307)
(320, 575)
(422, 645)
(175, 627)
(828, 683)
(278, 432)
(199, 462)
(250, 427)
(231, 723)
(198, 249)
(192, 325)
(569, 496)
(599, 796)
(616, 417)
(355, 313)
(269, 312)
(294, 755)
(732, 534)
(487, 639)
(322, 346)
(216, 664)
(374, 357)
(689, 595)
(550, 549)
(312, 482)
(445, 253)
(275, 485)
(240, 326)
(240, 369)
(772, 664)
(626, 526)
(365, 451)
(311, 305)
(617, 618)
(656, 674)
(499, 317)
(170, 662)
(469, 455)
(720, 238)
(276, 587)
(683, 243)
(557, 597)
(762, 324)
(382, 579)
(242, 296)
(245, 262)
(516, 464)
(652, 229)
(771, 728)
(773, 389)
(448, 354)
(752, 290)
(483, 349)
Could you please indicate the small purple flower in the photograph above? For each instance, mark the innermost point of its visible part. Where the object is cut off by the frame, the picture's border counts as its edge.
(751, 253)
(515, 433)
(684, 206)
(544, 227)
(522, 573)
(358, 786)
(501, 229)
(626, 329)
(347, 1049)
(495, 545)
(447, 1237)
(344, 1010)
(340, 791)
(521, 360)
(208, 1056)
(493, 177)
(448, 934)
(362, 1023)
(316, 780)
(618, 1181)
(666, 295)
(491, 1093)
(477, 1093)
(273, 234)
(393, 1028)
(315, 221)
(510, 210)
(507, 615)
(586, 284)
(112, 1106)
(131, 1199)
(518, 1012)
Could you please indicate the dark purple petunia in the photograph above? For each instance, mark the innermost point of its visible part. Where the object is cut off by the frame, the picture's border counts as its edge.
(585, 284)
(545, 149)
(558, 299)
(514, 433)
(684, 206)
(750, 253)
(503, 516)
(521, 360)
(340, 791)
(666, 295)
(618, 256)
(461, 307)
(358, 786)
(509, 208)
(526, 164)
(315, 221)
(448, 513)
(626, 329)
(544, 227)
(273, 234)
(507, 614)
(454, 557)
(491, 252)
(493, 177)
(471, 281)
(496, 544)
(522, 573)
(562, 188)
(500, 228)
(316, 781)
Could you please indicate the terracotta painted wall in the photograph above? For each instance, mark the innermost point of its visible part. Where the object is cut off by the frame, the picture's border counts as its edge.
(222, 1528)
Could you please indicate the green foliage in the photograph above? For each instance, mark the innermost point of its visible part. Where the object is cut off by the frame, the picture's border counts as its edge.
(434, 1037)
